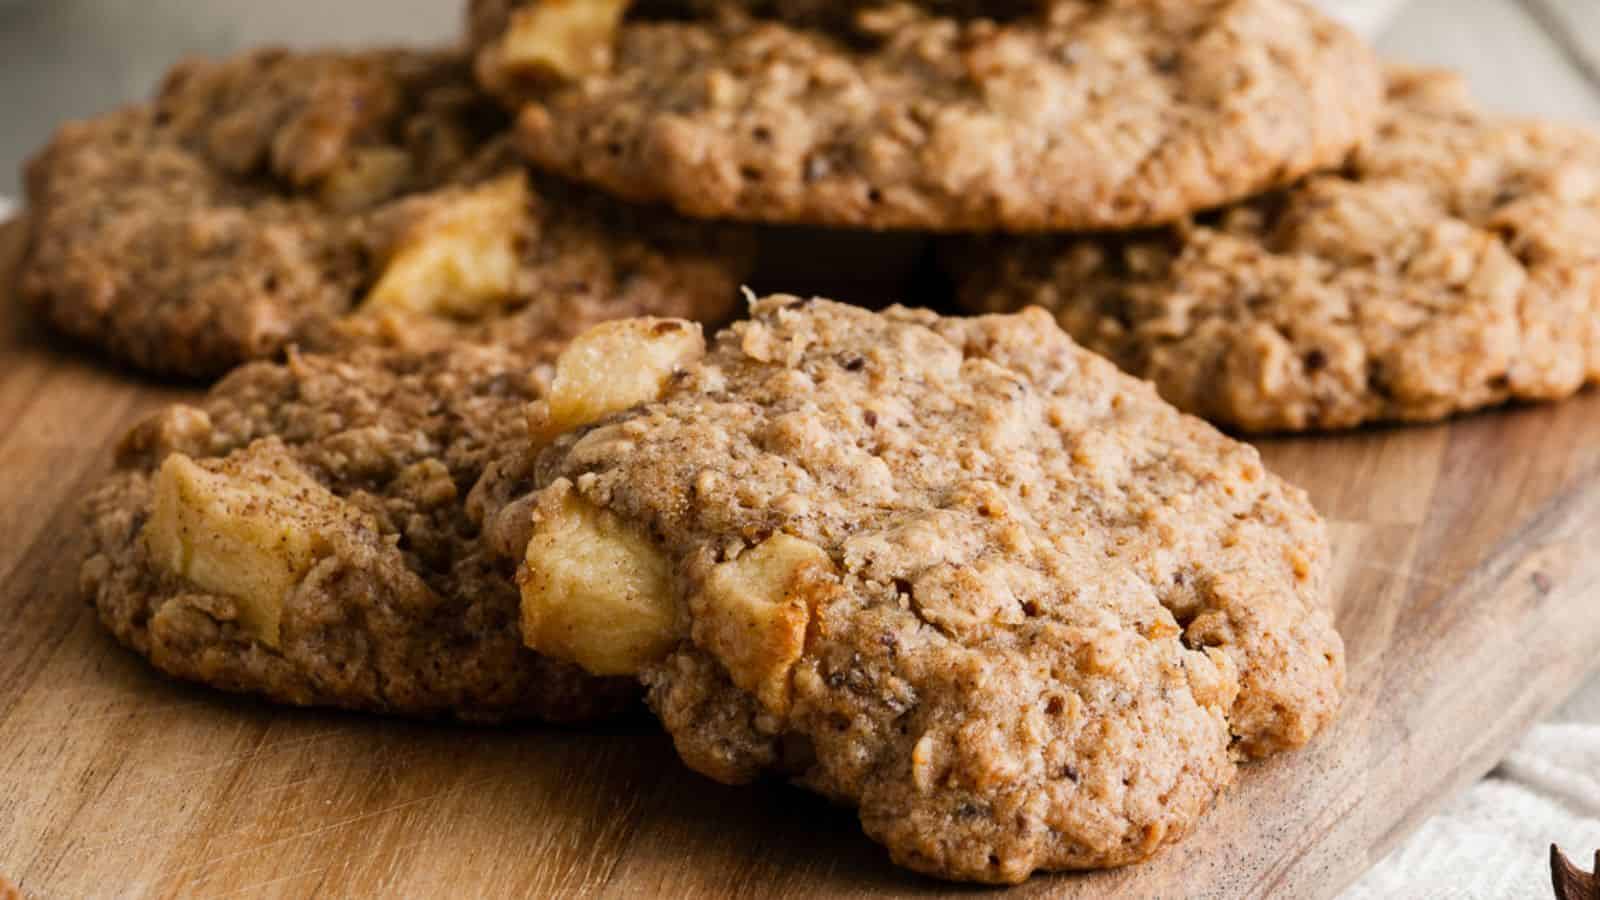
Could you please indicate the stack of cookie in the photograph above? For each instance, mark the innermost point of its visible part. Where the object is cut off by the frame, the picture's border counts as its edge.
(1450, 263)
(476, 458)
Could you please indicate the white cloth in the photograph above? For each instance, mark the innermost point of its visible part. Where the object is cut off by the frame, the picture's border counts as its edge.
(1494, 841)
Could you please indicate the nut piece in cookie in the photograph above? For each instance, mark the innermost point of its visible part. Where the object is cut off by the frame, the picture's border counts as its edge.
(461, 257)
(246, 527)
(594, 592)
(959, 573)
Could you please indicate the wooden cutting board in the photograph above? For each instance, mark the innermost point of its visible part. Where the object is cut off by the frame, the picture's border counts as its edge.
(1468, 589)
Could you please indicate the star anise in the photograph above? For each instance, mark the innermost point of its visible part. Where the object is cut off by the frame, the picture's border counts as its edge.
(1571, 882)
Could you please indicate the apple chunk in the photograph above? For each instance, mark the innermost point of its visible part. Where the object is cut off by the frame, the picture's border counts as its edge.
(248, 526)
(555, 39)
(460, 257)
(594, 591)
(753, 611)
(618, 365)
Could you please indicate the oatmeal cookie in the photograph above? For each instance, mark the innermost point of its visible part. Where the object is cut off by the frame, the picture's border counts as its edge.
(959, 573)
(1073, 114)
(1452, 264)
(328, 198)
(301, 533)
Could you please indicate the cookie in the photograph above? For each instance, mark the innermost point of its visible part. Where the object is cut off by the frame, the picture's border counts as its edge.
(517, 45)
(1452, 264)
(302, 533)
(959, 573)
(1071, 114)
(324, 199)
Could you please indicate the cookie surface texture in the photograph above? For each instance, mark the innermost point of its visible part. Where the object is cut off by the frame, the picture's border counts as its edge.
(959, 573)
(1451, 265)
(302, 533)
(1057, 115)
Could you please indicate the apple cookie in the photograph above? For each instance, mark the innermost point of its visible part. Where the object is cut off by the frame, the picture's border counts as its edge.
(320, 199)
(1056, 114)
(959, 573)
(302, 533)
(1452, 264)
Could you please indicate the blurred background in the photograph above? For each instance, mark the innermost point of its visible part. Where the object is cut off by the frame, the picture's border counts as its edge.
(61, 59)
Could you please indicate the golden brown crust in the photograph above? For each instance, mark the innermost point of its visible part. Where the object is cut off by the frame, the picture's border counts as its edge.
(1042, 612)
(1079, 115)
(1451, 265)
(400, 611)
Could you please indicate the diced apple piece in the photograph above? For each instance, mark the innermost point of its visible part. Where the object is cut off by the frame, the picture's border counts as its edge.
(753, 611)
(562, 39)
(366, 178)
(247, 527)
(594, 591)
(459, 259)
(618, 365)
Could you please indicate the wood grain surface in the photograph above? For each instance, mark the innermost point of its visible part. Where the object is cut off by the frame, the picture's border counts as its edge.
(1467, 585)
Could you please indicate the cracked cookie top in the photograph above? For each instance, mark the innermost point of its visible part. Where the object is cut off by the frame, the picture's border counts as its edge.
(960, 573)
(1450, 265)
(1066, 114)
